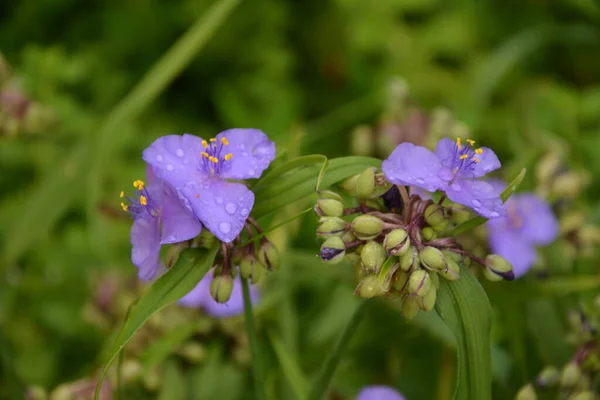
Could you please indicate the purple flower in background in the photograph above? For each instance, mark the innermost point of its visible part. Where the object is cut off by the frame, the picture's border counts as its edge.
(159, 217)
(529, 222)
(200, 297)
(452, 168)
(199, 169)
(379, 392)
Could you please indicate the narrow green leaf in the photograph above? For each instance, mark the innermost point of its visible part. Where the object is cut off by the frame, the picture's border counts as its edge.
(524, 291)
(476, 221)
(163, 347)
(189, 269)
(291, 370)
(464, 307)
(173, 383)
(322, 174)
(273, 227)
(320, 386)
(257, 371)
(388, 269)
(294, 163)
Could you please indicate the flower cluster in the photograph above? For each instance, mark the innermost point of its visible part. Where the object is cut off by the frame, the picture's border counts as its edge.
(191, 184)
(400, 244)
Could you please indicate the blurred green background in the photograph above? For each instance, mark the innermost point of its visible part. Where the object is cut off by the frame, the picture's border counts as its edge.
(521, 76)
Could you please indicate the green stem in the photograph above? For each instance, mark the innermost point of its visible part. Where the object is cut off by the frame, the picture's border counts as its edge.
(254, 346)
(319, 388)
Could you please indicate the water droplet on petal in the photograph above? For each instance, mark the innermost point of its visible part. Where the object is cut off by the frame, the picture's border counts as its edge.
(245, 212)
(494, 214)
(219, 200)
(250, 172)
(159, 158)
(225, 227)
(242, 146)
(169, 167)
(179, 152)
(456, 187)
(262, 150)
(230, 208)
(476, 203)
(420, 181)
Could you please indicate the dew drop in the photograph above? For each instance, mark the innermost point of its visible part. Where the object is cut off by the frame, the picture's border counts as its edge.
(219, 200)
(159, 158)
(225, 227)
(245, 212)
(262, 150)
(169, 167)
(242, 146)
(456, 187)
(476, 203)
(179, 152)
(494, 214)
(420, 181)
(230, 208)
(251, 172)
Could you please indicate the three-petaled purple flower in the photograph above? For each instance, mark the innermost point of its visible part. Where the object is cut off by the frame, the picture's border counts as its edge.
(452, 168)
(199, 171)
(200, 297)
(379, 392)
(159, 217)
(529, 222)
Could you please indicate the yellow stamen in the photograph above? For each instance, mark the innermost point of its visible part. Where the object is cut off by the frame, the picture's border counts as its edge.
(479, 151)
(463, 156)
(471, 142)
(139, 185)
(476, 159)
(213, 159)
(124, 206)
(121, 194)
(143, 200)
(458, 144)
(204, 154)
(213, 140)
(228, 156)
(225, 141)
(205, 144)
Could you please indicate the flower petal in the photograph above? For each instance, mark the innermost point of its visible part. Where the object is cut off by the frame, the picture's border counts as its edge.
(488, 162)
(199, 295)
(235, 304)
(539, 222)
(175, 159)
(178, 223)
(413, 166)
(478, 195)
(251, 152)
(221, 206)
(379, 392)
(446, 151)
(514, 248)
(145, 249)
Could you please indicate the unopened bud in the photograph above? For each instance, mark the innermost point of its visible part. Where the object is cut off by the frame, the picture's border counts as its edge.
(410, 307)
(221, 288)
(372, 256)
(526, 393)
(497, 268)
(396, 242)
(428, 234)
(460, 215)
(585, 395)
(331, 226)
(362, 141)
(193, 352)
(365, 184)
(427, 302)
(435, 280)
(434, 214)
(419, 283)
(433, 259)
(329, 208)
(328, 194)
(369, 287)
(268, 256)
(207, 239)
(349, 185)
(333, 250)
(367, 227)
(570, 375)
(131, 370)
(549, 377)
(410, 259)
(452, 273)
(250, 268)
(401, 281)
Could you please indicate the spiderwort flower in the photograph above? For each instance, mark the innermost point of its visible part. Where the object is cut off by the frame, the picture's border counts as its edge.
(199, 169)
(529, 222)
(452, 168)
(379, 392)
(159, 217)
(200, 297)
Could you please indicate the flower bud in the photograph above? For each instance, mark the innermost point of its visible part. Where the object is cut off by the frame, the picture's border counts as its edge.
(396, 242)
(268, 256)
(434, 215)
(428, 234)
(410, 259)
(372, 256)
(526, 393)
(570, 375)
(249, 267)
(331, 226)
(193, 352)
(328, 194)
(443, 227)
(349, 185)
(365, 184)
(401, 281)
(433, 259)
(549, 377)
(435, 281)
(427, 302)
(419, 283)
(410, 307)
(585, 395)
(333, 250)
(362, 141)
(497, 268)
(452, 273)
(369, 287)
(329, 208)
(131, 370)
(367, 227)
(221, 288)
(459, 215)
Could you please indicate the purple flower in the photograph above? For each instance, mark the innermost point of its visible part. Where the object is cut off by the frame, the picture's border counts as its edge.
(452, 168)
(200, 297)
(199, 170)
(529, 222)
(379, 392)
(159, 217)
